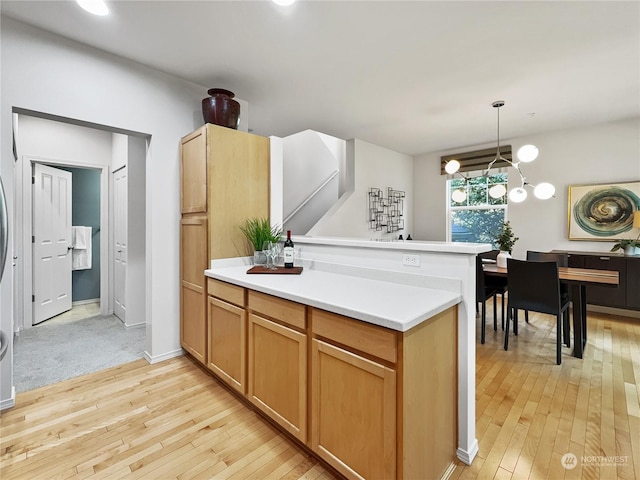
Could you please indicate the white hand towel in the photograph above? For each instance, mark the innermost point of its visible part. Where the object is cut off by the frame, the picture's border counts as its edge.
(81, 257)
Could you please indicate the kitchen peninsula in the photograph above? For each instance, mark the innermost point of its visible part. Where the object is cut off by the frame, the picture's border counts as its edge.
(361, 358)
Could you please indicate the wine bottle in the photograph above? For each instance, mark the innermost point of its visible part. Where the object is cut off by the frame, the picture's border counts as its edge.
(288, 251)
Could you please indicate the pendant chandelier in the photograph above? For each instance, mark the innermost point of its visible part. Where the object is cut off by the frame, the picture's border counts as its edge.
(526, 154)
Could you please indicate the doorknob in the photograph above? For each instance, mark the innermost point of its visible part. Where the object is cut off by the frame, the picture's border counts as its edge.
(69, 247)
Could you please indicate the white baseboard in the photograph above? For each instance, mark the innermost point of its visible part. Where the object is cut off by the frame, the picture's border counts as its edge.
(163, 357)
(134, 325)
(468, 456)
(9, 402)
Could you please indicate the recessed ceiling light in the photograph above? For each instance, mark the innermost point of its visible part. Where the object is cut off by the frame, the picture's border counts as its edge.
(283, 3)
(97, 7)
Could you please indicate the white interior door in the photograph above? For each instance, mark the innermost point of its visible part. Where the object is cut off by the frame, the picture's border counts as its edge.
(120, 242)
(51, 242)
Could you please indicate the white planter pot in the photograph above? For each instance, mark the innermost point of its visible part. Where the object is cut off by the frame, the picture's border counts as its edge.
(501, 259)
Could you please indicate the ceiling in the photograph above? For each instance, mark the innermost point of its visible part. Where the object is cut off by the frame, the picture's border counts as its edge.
(414, 77)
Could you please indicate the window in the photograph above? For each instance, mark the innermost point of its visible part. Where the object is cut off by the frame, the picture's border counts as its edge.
(478, 215)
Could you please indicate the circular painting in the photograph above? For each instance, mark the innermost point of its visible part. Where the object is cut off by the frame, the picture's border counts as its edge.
(606, 212)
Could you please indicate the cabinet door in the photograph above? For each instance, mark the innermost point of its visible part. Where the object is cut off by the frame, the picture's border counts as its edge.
(633, 283)
(193, 172)
(227, 343)
(606, 295)
(193, 296)
(353, 412)
(575, 261)
(278, 373)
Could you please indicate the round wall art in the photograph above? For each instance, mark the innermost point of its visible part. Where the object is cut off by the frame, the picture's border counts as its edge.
(603, 212)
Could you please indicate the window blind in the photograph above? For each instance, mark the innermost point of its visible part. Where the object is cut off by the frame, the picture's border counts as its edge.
(477, 159)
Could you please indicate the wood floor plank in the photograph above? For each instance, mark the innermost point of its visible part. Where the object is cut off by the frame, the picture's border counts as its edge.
(174, 420)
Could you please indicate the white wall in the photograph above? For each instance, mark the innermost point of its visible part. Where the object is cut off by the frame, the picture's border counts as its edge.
(311, 160)
(599, 154)
(374, 167)
(46, 73)
(62, 141)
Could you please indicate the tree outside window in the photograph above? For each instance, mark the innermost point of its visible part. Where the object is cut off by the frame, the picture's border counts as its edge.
(478, 216)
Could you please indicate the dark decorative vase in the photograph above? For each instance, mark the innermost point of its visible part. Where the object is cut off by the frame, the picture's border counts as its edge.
(221, 109)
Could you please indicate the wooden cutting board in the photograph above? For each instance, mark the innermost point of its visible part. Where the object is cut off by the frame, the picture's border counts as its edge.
(279, 270)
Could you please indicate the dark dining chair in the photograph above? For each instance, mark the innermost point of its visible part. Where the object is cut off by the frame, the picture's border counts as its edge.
(535, 286)
(562, 259)
(484, 293)
(496, 283)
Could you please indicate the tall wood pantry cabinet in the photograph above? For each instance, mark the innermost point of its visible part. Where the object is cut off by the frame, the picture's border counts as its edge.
(224, 180)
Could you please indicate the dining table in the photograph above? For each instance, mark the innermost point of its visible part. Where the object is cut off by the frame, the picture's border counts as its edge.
(577, 279)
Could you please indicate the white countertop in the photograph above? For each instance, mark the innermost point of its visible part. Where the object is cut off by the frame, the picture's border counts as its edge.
(399, 304)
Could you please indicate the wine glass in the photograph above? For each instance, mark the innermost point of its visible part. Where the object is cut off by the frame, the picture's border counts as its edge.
(273, 253)
(276, 251)
(267, 247)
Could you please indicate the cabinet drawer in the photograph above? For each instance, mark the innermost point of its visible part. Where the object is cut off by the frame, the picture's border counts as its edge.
(226, 291)
(286, 311)
(607, 295)
(371, 339)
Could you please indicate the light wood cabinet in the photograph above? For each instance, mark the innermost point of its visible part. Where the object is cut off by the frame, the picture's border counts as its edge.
(278, 373)
(193, 172)
(277, 364)
(353, 412)
(193, 326)
(372, 402)
(227, 343)
(224, 179)
(238, 187)
(383, 403)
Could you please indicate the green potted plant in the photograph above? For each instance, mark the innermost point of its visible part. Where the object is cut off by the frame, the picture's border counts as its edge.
(258, 230)
(628, 246)
(505, 240)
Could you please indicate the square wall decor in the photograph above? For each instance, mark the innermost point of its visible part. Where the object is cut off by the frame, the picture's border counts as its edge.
(603, 212)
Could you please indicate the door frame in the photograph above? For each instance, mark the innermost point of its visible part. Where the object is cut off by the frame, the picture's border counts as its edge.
(25, 231)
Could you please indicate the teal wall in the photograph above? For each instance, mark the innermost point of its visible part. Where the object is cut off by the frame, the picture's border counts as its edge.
(85, 205)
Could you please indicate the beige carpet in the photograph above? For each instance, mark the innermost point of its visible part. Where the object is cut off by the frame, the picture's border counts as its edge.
(63, 349)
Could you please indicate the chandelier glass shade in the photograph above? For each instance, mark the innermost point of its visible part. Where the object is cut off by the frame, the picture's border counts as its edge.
(459, 195)
(497, 191)
(452, 166)
(525, 154)
(96, 7)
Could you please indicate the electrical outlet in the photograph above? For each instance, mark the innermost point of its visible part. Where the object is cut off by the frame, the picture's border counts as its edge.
(411, 260)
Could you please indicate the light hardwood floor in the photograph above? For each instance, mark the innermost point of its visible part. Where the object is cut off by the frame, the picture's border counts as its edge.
(172, 420)
(530, 411)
